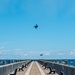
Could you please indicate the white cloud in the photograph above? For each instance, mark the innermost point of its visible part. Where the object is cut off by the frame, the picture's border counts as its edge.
(73, 49)
(12, 54)
(4, 43)
(60, 54)
(25, 54)
(34, 54)
(0, 52)
(17, 49)
(2, 47)
(72, 53)
(47, 53)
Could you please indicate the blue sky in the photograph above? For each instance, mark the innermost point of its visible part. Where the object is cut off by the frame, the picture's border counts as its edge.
(55, 37)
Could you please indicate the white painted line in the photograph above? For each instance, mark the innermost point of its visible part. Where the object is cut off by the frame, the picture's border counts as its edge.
(28, 71)
(41, 71)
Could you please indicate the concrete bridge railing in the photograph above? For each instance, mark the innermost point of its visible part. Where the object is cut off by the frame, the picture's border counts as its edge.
(6, 69)
(67, 69)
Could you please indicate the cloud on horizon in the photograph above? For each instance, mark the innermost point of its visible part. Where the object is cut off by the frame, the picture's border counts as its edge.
(72, 53)
(2, 47)
(23, 54)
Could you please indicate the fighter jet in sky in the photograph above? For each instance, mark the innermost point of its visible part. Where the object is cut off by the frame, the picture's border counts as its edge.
(41, 54)
(36, 26)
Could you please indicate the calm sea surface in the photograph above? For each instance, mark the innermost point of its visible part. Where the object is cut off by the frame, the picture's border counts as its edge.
(70, 61)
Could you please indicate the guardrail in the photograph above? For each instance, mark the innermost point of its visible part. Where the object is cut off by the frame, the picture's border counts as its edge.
(6, 69)
(65, 68)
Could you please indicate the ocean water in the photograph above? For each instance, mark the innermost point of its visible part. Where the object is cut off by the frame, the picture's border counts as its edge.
(70, 61)
(6, 61)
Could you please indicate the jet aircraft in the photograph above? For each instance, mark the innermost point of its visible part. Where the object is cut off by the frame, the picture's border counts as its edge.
(41, 54)
(36, 26)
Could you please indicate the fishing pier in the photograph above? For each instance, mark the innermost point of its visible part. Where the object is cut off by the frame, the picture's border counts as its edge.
(37, 67)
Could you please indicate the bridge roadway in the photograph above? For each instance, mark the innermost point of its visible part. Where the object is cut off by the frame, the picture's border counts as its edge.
(34, 68)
